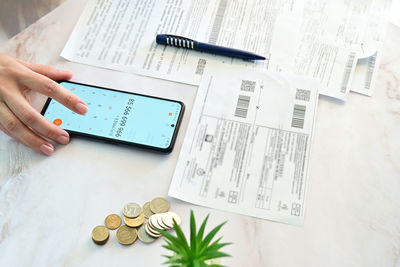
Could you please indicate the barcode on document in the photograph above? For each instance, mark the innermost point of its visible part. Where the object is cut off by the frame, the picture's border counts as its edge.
(248, 86)
(299, 113)
(200, 66)
(347, 72)
(303, 94)
(242, 106)
(216, 28)
(370, 71)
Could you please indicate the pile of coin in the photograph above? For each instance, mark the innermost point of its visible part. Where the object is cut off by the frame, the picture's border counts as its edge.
(161, 221)
(134, 216)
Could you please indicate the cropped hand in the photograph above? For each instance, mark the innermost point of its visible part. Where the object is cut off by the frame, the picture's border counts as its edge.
(18, 118)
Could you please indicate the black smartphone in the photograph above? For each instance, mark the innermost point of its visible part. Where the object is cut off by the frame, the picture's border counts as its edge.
(119, 117)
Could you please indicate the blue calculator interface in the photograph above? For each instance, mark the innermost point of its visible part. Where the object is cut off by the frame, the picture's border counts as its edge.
(118, 115)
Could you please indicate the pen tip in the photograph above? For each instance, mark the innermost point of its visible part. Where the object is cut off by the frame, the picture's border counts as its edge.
(257, 57)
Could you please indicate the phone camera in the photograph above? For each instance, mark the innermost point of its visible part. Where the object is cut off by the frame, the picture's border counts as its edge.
(172, 125)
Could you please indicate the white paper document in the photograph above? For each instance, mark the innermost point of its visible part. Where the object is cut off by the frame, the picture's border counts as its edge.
(366, 73)
(356, 24)
(394, 13)
(121, 35)
(367, 68)
(247, 146)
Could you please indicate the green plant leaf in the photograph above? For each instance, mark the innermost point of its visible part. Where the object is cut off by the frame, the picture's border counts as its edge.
(172, 248)
(176, 241)
(216, 241)
(216, 245)
(193, 233)
(196, 252)
(213, 255)
(182, 238)
(200, 234)
(210, 236)
(216, 254)
(176, 259)
(170, 237)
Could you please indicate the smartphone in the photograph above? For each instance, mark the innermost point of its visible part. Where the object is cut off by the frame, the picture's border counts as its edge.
(119, 117)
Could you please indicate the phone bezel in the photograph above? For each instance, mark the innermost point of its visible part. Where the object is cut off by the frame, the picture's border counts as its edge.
(116, 141)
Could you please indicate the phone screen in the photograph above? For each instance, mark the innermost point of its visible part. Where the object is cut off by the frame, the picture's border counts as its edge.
(125, 117)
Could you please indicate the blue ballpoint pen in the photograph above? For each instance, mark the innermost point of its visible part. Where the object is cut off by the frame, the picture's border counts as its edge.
(179, 41)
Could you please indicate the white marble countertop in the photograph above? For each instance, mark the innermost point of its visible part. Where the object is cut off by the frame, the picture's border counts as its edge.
(49, 205)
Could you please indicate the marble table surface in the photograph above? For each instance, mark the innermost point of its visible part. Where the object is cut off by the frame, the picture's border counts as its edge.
(49, 205)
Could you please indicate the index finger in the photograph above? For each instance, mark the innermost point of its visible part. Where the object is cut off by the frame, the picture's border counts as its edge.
(48, 71)
(54, 90)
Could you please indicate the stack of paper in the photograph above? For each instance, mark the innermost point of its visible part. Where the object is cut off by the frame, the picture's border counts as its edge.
(336, 41)
(250, 155)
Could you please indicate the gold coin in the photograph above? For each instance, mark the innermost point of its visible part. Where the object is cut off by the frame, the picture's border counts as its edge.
(146, 210)
(100, 235)
(144, 236)
(126, 235)
(134, 222)
(112, 221)
(159, 205)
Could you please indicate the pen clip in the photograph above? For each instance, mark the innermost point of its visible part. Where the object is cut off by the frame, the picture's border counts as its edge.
(179, 41)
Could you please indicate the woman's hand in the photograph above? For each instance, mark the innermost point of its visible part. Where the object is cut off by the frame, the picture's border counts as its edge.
(18, 118)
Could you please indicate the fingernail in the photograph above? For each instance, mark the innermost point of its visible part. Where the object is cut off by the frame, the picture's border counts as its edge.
(47, 149)
(81, 108)
(63, 138)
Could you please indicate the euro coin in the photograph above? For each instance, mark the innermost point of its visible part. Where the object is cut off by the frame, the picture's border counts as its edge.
(134, 222)
(146, 210)
(144, 236)
(132, 210)
(112, 221)
(159, 205)
(126, 235)
(100, 235)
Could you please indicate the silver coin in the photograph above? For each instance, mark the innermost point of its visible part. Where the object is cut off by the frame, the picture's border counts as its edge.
(150, 232)
(161, 223)
(169, 217)
(153, 220)
(144, 236)
(132, 210)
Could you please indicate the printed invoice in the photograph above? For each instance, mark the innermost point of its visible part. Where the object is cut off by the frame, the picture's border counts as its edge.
(249, 154)
(121, 34)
